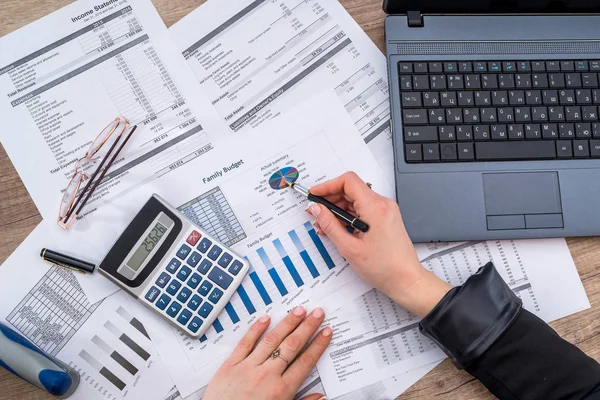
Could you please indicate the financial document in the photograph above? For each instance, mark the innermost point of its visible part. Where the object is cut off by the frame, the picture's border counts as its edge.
(374, 338)
(256, 59)
(64, 77)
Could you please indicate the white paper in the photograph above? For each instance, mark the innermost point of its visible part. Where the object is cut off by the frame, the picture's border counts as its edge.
(374, 338)
(256, 59)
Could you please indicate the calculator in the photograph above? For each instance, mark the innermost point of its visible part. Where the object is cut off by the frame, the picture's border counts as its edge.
(174, 267)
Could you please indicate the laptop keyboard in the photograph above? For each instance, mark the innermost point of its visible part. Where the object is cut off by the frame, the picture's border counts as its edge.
(469, 111)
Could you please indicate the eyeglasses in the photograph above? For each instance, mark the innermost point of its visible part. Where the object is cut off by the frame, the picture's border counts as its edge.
(73, 199)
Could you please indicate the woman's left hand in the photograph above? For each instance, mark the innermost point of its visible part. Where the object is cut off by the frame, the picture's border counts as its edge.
(252, 373)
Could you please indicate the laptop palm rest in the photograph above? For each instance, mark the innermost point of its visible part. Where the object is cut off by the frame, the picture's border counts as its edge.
(525, 200)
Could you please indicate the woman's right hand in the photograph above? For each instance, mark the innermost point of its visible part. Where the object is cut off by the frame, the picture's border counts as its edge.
(384, 256)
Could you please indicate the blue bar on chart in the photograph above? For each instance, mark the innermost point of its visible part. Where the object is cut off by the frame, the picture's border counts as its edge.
(304, 254)
(203, 339)
(259, 285)
(246, 300)
(288, 263)
(319, 244)
(271, 269)
(217, 325)
(232, 314)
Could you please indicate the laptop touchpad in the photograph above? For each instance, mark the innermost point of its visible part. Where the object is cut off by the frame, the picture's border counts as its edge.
(524, 200)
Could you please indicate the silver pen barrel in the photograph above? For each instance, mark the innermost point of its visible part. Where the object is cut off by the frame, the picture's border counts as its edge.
(304, 191)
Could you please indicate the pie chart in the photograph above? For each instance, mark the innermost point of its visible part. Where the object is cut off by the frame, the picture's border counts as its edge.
(280, 179)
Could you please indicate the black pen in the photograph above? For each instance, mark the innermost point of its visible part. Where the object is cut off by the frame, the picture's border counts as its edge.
(68, 262)
(342, 214)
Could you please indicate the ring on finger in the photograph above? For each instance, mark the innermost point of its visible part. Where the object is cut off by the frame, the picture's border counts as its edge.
(277, 354)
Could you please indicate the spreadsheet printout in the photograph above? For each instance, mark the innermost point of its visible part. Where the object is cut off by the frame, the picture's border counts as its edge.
(64, 77)
(256, 59)
(374, 338)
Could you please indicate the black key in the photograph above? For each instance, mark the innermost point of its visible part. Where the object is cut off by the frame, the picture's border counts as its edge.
(516, 97)
(448, 99)
(523, 81)
(447, 133)
(420, 68)
(488, 115)
(539, 81)
(494, 66)
(573, 113)
(583, 96)
(501, 151)
(539, 114)
(566, 96)
(435, 67)
(420, 134)
(437, 116)
(420, 82)
(552, 66)
(594, 148)
(465, 151)
(454, 116)
(589, 80)
(583, 131)
(567, 66)
(596, 96)
(509, 66)
(431, 152)
(498, 132)
(450, 67)
(480, 66)
(405, 82)
(506, 81)
(413, 152)
(566, 131)
(549, 131)
(533, 97)
(405, 68)
(573, 80)
(523, 66)
(465, 67)
(581, 66)
(538, 66)
(533, 132)
(556, 80)
(464, 133)
(455, 82)
(448, 151)
(522, 114)
(437, 82)
(550, 97)
(595, 65)
(556, 114)
(471, 116)
(596, 130)
(472, 82)
(500, 98)
(481, 132)
(414, 117)
(465, 99)
(516, 132)
(564, 148)
(411, 99)
(431, 99)
(483, 99)
(489, 81)
(506, 114)
(589, 113)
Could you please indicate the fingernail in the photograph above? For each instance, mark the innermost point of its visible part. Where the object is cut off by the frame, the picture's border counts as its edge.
(265, 318)
(323, 398)
(299, 311)
(327, 332)
(318, 312)
(314, 209)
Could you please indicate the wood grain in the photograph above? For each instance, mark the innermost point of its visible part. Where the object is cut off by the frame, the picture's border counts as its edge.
(18, 216)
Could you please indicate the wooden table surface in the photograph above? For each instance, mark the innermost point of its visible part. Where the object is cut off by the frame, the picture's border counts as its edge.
(18, 217)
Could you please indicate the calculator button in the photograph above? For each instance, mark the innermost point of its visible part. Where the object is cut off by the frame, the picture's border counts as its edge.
(195, 324)
(194, 259)
(173, 309)
(173, 287)
(204, 266)
(205, 310)
(214, 252)
(205, 288)
(235, 268)
(194, 280)
(163, 302)
(152, 294)
(183, 252)
(162, 280)
(184, 317)
(204, 245)
(195, 302)
(184, 295)
(184, 273)
(215, 296)
(173, 265)
(225, 260)
(220, 277)
(193, 238)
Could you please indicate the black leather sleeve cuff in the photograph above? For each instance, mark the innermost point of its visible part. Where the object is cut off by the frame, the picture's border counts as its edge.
(471, 317)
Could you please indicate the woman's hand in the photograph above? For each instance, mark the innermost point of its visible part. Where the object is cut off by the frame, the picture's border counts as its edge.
(251, 373)
(384, 256)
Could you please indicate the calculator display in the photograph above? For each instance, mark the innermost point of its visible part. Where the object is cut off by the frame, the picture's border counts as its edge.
(146, 247)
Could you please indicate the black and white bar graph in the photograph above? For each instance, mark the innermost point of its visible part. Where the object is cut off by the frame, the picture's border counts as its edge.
(133, 321)
(105, 372)
(115, 355)
(129, 342)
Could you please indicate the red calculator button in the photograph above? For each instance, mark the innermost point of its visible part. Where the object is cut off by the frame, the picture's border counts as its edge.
(193, 238)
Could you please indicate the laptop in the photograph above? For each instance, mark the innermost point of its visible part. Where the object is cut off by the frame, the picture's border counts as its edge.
(495, 119)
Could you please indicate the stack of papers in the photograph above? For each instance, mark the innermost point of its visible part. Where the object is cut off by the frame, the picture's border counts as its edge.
(222, 100)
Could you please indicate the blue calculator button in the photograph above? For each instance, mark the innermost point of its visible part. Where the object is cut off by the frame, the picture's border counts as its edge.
(173, 265)
(173, 287)
(204, 266)
(184, 273)
(183, 252)
(163, 302)
(194, 259)
(215, 296)
(225, 260)
(195, 302)
(162, 280)
(195, 324)
(205, 288)
(152, 294)
(173, 309)
(184, 295)
(220, 277)
(205, 309)
(215, 252)
(235, 268)
(194, 280)
(184, 317)
(204, 245)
